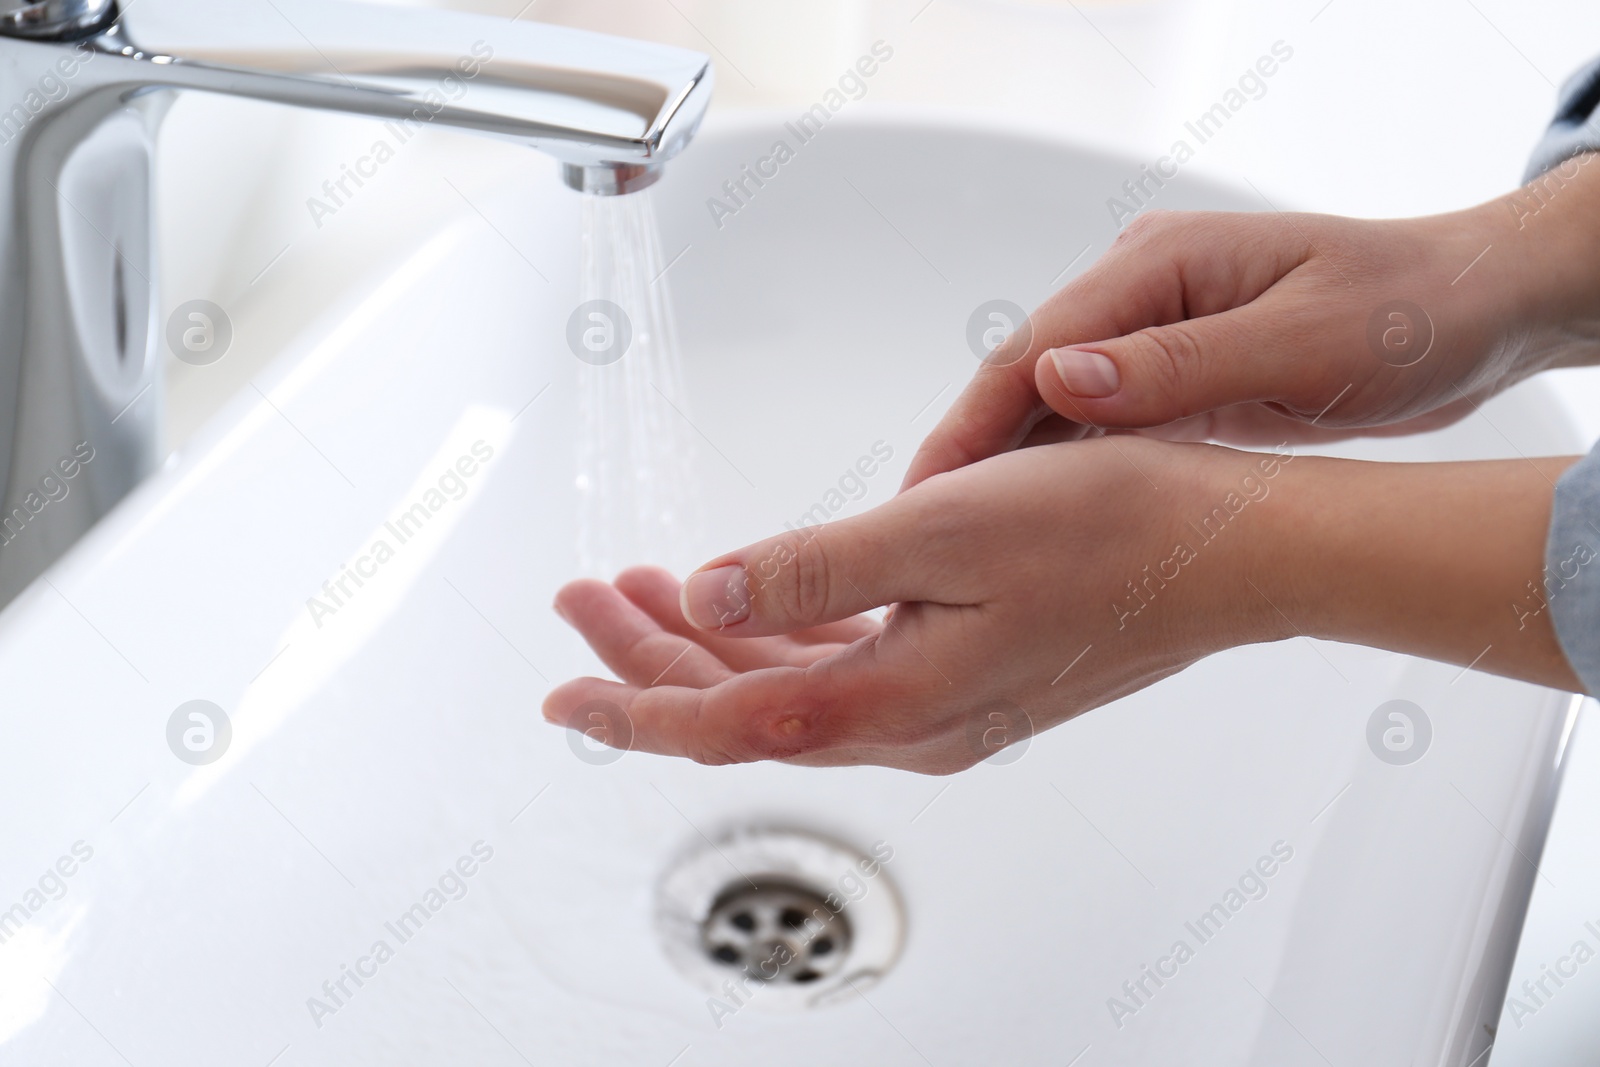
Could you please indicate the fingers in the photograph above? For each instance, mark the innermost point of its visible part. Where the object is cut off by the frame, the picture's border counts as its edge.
(1269, 350)
(1136, 283)
(656, 592)
(819, 575)
(1001, 404)
(1164, 268)
(632, 644)
(854, 711)
(771, 714)
(875, 701)
(699, 706)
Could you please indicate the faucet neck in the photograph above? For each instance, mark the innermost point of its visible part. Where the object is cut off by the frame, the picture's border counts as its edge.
(83, 85)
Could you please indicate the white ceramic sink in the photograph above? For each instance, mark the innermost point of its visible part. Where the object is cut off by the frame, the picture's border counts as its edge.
(372, 753)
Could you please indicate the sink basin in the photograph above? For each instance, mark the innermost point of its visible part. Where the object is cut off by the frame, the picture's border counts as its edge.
(379, 752)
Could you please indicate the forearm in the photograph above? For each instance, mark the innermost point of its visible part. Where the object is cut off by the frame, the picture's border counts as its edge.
(1443, 560)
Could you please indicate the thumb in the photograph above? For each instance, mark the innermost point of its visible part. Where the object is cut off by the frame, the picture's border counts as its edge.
(1165, 373)
(810, 576)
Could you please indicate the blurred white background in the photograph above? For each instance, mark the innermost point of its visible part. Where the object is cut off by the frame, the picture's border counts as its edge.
(1384, 109)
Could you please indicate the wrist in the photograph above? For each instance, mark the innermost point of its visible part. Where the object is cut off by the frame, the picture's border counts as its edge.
(1440, 560)
(1232, 520)
(1542, 281)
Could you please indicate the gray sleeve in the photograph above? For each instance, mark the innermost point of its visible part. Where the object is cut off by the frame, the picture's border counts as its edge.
(1576, 127)
(1571, 586)
(1573, 593)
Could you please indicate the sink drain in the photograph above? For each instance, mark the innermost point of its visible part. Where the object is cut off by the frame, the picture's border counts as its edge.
(780, 918)
(777, 933)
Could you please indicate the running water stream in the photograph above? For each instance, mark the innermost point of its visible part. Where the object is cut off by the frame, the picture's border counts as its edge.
(638, 501)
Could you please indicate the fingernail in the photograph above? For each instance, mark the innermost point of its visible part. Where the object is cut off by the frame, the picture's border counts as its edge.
(556, 607)
(1085, 373)
(716, 598)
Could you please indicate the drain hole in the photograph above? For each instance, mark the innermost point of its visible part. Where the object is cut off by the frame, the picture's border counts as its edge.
(782, 934)
(780, 931)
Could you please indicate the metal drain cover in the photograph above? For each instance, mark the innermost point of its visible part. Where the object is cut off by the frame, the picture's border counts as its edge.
(780, 919)
(777, 932)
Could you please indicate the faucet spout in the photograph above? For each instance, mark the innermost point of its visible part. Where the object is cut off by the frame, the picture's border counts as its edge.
(591, 101)
(83, 86)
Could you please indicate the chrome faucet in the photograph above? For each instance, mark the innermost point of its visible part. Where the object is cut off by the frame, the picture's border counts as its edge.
(83, 87)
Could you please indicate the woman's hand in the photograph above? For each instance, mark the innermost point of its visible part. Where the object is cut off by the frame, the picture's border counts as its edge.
(1002, 576)
(1038, 584)
(1258, 328)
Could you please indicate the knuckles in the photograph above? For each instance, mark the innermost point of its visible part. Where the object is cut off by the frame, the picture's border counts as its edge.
(1171, 359)
(1146, 225)
(1201, 228)
(800, 590)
